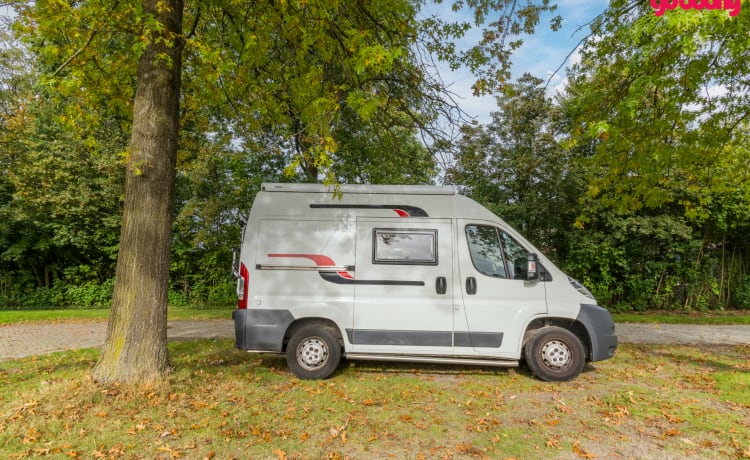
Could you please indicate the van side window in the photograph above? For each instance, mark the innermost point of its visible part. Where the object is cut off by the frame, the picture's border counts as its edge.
(516, 255)
(495, 253)
(416, 247)
(486, 251)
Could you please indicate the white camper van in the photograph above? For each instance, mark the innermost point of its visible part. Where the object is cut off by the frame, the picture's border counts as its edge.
(406, 273)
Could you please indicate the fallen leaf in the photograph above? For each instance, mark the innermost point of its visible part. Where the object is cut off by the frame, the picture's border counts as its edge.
(581, 452)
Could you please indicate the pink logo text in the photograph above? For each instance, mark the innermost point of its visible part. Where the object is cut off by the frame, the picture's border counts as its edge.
(732, 6)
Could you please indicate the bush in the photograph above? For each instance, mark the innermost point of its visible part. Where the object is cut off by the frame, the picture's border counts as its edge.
(89, 295)
(742, 293)
(43, 298)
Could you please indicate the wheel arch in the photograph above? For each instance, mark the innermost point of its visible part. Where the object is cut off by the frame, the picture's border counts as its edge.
(572, 325)
(316, 321)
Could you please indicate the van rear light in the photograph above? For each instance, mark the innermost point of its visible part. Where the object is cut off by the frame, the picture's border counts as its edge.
(242, 285)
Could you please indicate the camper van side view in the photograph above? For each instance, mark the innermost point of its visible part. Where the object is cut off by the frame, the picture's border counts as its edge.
(406, 273)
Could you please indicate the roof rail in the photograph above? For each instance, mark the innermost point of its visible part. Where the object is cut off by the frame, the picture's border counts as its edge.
(366, 189)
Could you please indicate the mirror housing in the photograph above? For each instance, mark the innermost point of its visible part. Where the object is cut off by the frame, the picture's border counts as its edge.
(532, 267)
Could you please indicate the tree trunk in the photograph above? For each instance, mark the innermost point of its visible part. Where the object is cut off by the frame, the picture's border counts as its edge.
(135, 349)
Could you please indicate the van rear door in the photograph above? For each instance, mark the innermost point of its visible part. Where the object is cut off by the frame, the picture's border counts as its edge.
(498, 300)
(403, 286)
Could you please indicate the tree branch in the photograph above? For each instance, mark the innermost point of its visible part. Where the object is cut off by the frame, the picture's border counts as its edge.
(74, 55)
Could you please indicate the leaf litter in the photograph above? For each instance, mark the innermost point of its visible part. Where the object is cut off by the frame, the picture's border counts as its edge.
(644, 403)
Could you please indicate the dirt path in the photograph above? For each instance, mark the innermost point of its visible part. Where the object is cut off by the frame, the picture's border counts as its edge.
(28, 339)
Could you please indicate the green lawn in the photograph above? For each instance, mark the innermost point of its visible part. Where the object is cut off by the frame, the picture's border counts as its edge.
(15, 316)
(738, 317)
(649, 402)
(175, 313)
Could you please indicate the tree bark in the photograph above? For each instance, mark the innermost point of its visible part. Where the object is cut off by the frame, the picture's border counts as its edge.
(135, 349)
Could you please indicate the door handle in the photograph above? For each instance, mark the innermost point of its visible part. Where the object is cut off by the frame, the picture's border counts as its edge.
(441, 285)
(471, 285)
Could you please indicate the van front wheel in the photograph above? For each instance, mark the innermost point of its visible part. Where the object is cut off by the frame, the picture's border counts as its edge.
(313, 353)
(555, 355)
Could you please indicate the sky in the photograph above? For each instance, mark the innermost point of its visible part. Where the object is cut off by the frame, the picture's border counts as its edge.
(540, 55)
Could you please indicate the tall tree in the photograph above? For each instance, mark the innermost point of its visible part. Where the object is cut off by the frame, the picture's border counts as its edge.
(59, 191)
(660, 104)
(135, 349)
(517, 166)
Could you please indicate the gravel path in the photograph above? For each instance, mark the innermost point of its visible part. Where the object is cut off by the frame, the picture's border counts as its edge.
(28, 339)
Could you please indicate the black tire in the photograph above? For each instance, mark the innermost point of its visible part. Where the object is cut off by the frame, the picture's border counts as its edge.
(313, 353)
(555, 355)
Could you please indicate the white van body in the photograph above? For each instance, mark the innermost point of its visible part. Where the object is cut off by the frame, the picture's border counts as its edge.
(411, 273)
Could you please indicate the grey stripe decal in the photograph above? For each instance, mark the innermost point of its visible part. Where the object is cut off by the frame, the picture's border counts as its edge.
(425, 338)
(337, 279)
(478, 339)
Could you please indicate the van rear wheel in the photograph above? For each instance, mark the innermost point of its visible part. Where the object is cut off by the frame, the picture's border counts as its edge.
(555, 354)
(313, 353)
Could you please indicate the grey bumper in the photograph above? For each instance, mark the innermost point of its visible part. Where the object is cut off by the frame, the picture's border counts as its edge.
(601, 331)
(261, 330)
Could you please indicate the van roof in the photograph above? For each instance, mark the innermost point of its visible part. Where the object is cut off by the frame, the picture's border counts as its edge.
(366, 189)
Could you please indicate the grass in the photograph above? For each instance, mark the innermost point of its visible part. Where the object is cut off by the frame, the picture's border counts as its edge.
(739, 317)
(218, 402)
(729, 317)
(175, 313)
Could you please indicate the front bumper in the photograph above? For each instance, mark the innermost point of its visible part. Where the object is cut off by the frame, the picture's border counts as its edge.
(601, 330)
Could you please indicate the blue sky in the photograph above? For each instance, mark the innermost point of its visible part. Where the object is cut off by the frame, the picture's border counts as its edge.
(540, 54)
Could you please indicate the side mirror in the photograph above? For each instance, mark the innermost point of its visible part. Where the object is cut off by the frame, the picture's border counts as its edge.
(532, 267)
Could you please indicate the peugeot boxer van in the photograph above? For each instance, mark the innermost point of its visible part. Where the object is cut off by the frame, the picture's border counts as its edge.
(406, 273)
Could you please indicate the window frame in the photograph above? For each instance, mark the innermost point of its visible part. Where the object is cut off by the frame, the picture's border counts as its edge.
(428, 231)
(500, 246)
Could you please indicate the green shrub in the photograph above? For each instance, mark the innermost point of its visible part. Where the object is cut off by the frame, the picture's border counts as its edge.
(742, 293)
(89, 295)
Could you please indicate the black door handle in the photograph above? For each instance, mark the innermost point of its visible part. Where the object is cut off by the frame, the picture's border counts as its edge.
(471, 285)
(441, 285)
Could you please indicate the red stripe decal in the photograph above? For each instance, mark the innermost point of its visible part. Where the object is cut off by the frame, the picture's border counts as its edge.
(320, 260)
(401, 213)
